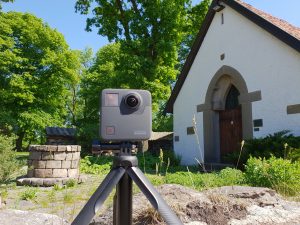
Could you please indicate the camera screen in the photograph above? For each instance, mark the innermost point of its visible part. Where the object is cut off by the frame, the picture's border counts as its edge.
(111, 99)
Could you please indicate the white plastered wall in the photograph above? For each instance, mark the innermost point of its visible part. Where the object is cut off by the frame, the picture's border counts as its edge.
(267, 65)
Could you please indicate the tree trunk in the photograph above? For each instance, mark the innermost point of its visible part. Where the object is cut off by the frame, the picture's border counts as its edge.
(19, 141)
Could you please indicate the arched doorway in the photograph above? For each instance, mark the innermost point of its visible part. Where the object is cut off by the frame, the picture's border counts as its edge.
(222, 108)
(230, 122)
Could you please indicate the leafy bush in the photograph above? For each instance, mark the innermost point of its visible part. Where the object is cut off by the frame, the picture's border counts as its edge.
(293, 153)
(277, 173)
(280, 144)
(230, 176)
(71, 183)
(96, 165)
(8, 162)
(29, 194)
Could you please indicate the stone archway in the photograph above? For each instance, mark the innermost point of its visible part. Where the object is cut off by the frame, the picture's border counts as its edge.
(215, 100)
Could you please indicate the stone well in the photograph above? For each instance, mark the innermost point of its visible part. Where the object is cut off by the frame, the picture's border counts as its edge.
(52, 164)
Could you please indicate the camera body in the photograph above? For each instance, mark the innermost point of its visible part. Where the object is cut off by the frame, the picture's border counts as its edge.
(126, 115)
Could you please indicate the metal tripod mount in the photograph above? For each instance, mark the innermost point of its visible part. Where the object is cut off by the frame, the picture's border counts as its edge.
(124, 171)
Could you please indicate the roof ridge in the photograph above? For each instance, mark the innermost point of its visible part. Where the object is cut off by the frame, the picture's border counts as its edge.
(280, 23)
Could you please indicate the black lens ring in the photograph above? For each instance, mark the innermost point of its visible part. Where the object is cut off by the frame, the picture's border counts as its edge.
(132, 100)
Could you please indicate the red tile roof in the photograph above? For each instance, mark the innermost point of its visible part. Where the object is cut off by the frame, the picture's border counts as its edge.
(282, 24)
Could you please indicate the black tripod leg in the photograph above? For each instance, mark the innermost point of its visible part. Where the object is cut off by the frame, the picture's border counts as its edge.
(100, 195)
(123, 210)
(153, 196)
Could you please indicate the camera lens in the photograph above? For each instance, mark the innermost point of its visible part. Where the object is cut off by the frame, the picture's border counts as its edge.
(132, 100)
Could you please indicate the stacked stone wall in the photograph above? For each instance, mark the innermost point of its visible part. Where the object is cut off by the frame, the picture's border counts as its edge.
(54, 161)
(52, 164)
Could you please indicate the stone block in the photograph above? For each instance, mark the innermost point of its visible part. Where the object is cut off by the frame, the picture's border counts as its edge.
(69, 156)
(37, 182)
(62, 148)
(60, 172)
(74, 148)
(78, 148)
(43, 173)
(60, 155)
(73, 173)
(69, 148)
(39, 148)
(52, 164)
(30, 173)
(48, 182)
(75, 164)
(31, 148)
(76, 156)
(25, 181)
(29, 162)
(47, 155)
(35, 155)
(38, 164)
(66, 164)
(52, 148)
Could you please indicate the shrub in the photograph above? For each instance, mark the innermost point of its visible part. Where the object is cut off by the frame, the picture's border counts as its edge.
(8, 162)
(96, 165)
(278, 144)
(230, 176)
(29, 194)
(277, 173)
(71, 183)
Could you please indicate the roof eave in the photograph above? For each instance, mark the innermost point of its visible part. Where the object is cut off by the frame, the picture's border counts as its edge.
(191, 57)
(265, 24)
(258, 20)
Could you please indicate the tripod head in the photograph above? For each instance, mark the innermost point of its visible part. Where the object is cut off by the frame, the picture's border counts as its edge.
(122, 148)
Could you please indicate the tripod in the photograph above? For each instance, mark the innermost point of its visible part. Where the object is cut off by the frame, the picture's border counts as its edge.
(124, 171)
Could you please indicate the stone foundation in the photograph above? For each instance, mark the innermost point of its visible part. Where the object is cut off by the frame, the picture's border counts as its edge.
(52, 164)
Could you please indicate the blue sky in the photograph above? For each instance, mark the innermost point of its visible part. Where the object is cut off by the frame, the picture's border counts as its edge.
(60, 14)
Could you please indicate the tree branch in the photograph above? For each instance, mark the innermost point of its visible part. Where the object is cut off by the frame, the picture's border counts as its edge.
(137, 11)
(123, 20)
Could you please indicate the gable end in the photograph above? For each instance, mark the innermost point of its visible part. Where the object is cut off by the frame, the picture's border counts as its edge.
(243, 10)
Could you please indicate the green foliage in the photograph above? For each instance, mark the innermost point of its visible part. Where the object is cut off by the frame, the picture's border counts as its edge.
(162, 122)
(96, 165)
(8, 161)
(230, 176)
(280, 144)
(57, 187)
(68, 198)
(191, 28)
(147, 36)
(152, 161)
(36, 68)
(29, 194)
(4, 1)
(4, 194)
(277, 173)
(71, 183)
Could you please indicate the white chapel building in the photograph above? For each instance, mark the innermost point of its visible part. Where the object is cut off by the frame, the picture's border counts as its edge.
(241, 80)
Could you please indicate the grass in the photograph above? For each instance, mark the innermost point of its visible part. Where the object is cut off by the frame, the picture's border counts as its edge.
(66, 201)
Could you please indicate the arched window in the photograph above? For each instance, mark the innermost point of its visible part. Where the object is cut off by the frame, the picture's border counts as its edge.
(232, 100)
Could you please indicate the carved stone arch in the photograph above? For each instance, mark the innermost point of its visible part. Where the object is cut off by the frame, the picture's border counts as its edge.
(215, 100)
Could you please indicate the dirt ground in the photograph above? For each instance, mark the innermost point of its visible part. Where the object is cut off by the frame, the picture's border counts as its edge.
(220, 206)
(63, 202)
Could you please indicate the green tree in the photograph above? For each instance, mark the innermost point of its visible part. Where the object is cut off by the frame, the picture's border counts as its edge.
(149, 33)
(153, 39)
(75, 102)
(8, 162)
(100, 72)
(36, 68)
(191, 28)
(4, 1)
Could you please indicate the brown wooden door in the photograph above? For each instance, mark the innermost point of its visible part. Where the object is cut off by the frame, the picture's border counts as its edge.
(230, 130)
